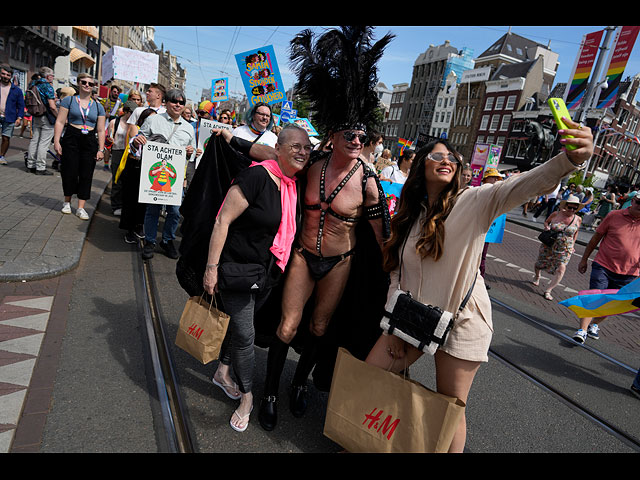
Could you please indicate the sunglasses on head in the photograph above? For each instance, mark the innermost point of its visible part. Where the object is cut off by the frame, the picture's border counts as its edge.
(349, 135)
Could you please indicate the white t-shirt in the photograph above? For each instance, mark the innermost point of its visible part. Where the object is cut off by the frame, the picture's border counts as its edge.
(394, 173)
(133, 119)
(267, 138)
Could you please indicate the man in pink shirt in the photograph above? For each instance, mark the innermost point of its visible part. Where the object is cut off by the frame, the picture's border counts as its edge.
(617, 262)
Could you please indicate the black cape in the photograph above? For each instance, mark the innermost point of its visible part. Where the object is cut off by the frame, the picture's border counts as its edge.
(355, 324)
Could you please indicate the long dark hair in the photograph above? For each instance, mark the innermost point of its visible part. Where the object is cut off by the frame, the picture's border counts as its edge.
(413, 201)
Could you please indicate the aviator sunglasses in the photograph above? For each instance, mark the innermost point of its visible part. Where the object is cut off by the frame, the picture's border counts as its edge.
(349, 135)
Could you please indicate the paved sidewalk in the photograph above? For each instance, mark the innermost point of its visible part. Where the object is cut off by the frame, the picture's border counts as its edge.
(36, 240)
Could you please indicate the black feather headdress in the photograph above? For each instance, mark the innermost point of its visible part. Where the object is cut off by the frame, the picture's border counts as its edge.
(338, 74)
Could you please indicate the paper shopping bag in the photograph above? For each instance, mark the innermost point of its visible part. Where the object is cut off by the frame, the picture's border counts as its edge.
(202, 329)
(372, 410)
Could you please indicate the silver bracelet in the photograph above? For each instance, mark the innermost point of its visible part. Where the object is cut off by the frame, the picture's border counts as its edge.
(212, 265)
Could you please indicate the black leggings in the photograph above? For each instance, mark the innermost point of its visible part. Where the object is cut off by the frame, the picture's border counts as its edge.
(78, 162)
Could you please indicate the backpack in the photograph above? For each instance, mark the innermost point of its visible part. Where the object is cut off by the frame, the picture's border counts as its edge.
(33, 102)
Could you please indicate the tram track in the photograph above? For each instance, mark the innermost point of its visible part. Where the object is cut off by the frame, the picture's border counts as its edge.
(630, 440)
(173, 413)
(173, 418)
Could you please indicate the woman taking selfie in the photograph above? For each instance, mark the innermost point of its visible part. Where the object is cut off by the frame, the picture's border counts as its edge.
(436, 243)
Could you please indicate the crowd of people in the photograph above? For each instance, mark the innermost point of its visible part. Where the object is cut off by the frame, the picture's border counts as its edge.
(259, 241)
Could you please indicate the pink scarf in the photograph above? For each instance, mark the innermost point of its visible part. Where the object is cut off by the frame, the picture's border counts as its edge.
(281, 247)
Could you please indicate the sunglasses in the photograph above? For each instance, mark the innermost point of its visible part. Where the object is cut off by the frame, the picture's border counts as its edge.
(86, 82)
(574, 208)
(179, 102)
(635, 200)
(350, 135)
(439, 157)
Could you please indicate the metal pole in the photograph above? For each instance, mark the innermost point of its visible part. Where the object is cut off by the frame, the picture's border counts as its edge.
(588, 98)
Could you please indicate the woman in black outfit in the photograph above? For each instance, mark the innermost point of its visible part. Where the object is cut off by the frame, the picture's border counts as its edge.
(256, 225)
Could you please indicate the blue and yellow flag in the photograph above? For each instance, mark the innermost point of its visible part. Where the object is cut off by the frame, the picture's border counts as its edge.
(600, 303)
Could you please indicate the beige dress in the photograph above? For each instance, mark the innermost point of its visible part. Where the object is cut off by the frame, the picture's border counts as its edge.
(445, 283)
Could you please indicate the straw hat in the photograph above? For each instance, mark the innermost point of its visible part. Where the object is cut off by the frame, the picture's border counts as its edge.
(571, 199)
(491, 172)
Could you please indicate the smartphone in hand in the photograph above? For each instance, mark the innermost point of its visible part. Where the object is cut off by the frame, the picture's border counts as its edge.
(559, 110)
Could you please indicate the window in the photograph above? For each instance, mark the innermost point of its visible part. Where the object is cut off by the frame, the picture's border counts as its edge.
(495, 122)
(489, 103)
(499, 103)
(485, 122)
(504, 125)
(511, 102)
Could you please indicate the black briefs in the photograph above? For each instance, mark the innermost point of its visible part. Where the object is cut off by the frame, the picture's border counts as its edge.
(320, 266)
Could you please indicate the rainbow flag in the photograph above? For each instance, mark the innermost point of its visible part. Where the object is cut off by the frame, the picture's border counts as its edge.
(403, 144)
(620, 54)
(600, 303)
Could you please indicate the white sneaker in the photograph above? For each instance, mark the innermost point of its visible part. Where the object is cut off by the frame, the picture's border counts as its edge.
(82, 214)
(66, 207)
(580, 336)
(593, 331)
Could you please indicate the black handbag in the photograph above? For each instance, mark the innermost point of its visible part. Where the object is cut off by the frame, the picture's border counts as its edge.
(242, 277)
(549, 237)
(424, 326)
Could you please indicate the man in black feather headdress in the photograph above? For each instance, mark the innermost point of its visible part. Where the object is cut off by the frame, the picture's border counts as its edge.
(337, 75)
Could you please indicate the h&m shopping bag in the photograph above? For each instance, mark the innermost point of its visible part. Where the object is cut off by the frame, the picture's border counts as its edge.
(372, 410)
(202, 330)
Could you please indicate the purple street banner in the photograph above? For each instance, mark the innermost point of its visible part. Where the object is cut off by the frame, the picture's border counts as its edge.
(261, 76)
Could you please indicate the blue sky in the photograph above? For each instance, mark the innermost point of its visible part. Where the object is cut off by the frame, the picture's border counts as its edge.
(207, 52)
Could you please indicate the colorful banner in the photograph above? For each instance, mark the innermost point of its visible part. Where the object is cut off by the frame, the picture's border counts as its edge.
(623, 45)
(392, 193)
(582, 69)
(261, 76)
(162, 174)
(600, 303)
(219, 89)
(484, 156)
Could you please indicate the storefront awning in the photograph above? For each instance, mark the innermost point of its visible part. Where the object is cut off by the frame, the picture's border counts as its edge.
(76, 54)
(91, 31)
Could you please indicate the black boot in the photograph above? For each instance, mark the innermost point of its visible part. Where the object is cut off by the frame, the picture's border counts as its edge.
(268, 414)
(308, 357)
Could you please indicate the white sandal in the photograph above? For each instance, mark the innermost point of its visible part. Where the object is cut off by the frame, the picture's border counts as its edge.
(240, 429)
(224, 387)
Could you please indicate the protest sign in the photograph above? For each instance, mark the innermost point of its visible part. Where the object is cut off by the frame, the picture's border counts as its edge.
(261, 76)
(392, 194)
(306, 124)
(219, 89)
(205, 128)
(120, 63)
(162, 174)
(496, 230)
